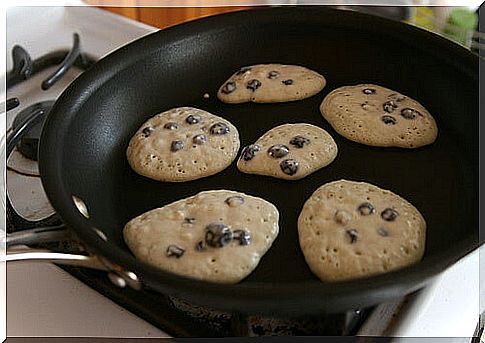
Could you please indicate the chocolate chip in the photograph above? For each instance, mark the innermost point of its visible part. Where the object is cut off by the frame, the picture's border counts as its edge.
(171, 126)
(193, 119)
(219, 129)
(389, 106)
(234, 200)
(229, 87)
(218, 235)
(253, 84)
(243, 70)
(389, 120)
(189, 220)
(289, 167)
(369, 91)
(201, 246)
(199, 139)
(176, 146)
(299, 141)
(242, 236)
(366, 209)
(175, 251)
(249, 151)
(382, 232)
(389, 214)
(147, 131)
(410, 113)
(287, 82)
(353, 234)
(273, 74)
(278, 151)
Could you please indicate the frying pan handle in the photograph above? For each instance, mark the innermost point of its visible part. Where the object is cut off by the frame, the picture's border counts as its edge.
(118, 276)
(14, 220)
(18, 251)
(41, 255)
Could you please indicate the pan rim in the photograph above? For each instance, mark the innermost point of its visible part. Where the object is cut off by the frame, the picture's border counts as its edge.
(261, 297)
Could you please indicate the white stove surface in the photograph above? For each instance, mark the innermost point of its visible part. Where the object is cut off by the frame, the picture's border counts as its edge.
(448, 308)
(43, 300)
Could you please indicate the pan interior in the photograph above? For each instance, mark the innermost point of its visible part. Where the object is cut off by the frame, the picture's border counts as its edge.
(441, 180)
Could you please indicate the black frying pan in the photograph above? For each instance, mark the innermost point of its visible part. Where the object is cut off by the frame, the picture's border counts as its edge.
(83, 145)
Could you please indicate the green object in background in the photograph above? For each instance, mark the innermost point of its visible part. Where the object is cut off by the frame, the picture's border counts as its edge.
(460, 25)
(423, 17)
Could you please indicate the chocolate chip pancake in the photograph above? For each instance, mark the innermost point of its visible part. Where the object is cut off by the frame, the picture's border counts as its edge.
(217, 236)
(378, 116)
(350, 230)
(183, 144)
(271, 83)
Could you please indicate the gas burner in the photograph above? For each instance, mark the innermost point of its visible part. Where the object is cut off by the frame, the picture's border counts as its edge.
(24, 67)
(26, 128)
(226, 324)
(29, 143)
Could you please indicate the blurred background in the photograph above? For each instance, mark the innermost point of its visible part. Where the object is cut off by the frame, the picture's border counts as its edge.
(458, 23)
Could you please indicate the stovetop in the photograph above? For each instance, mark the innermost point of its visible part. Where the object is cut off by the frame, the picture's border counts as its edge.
(174, 316)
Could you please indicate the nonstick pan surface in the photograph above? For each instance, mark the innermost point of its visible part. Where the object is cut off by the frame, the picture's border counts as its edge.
(84, 141)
